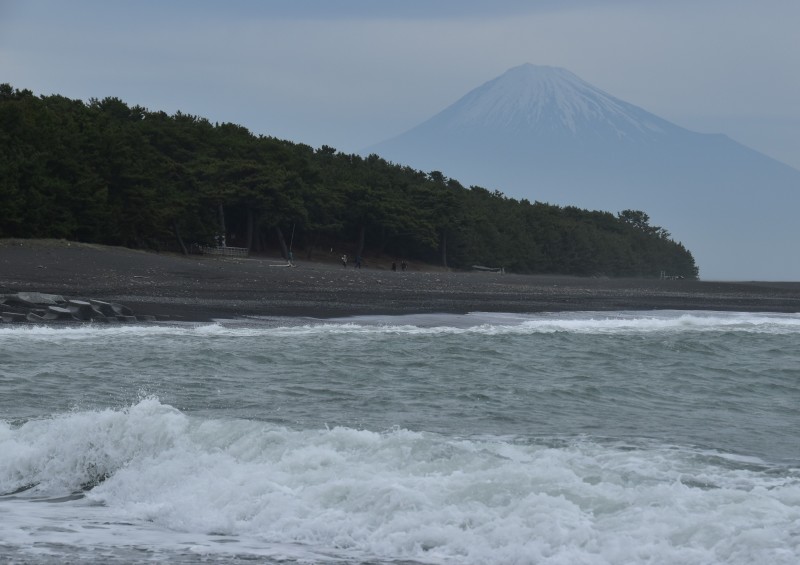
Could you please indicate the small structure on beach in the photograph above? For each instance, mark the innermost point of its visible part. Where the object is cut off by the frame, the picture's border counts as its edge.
(500, 270)
(225, 250)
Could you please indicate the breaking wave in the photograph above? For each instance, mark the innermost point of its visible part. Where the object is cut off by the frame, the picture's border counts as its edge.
(355, 495)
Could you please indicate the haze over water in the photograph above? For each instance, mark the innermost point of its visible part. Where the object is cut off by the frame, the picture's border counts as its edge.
(666, 437)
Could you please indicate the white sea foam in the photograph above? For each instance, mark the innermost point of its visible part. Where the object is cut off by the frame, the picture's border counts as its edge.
(483, 323)
(357, 494)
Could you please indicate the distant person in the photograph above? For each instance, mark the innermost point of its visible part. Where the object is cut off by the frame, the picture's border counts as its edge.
(403, 265)
(290, 257)
(344, 261)
(358, 262)
(394, 266)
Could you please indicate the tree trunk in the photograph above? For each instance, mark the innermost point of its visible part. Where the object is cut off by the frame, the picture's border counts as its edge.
(284, 251)
(443, 248)
(177, 233)
(382, 244)
(312, 241)
(222, 229)
(362, 234)
(250, 226)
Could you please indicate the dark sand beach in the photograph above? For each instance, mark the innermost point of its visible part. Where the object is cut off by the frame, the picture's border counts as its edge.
(201, 288)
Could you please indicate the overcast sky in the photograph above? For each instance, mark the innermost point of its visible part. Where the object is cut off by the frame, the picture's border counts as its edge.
(351, 73)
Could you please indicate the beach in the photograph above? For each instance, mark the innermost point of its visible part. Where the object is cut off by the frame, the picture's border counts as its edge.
(202, 288)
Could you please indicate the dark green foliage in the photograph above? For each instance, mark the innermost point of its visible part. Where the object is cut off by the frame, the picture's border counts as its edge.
(105, 172)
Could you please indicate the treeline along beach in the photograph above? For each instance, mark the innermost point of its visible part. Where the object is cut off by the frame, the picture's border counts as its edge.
(105, 172)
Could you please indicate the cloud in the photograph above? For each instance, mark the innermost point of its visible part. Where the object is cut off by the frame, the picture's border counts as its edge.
(370, 9)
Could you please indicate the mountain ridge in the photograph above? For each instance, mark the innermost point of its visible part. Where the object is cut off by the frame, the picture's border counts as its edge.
(542, 133)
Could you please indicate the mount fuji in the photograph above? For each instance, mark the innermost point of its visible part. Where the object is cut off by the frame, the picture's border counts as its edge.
(543, 134)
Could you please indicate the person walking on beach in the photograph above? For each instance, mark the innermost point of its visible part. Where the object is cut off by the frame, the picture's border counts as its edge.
(344, 260)
(358, 262)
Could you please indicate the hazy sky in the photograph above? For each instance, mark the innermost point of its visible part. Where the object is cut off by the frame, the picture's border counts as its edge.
(350, 73)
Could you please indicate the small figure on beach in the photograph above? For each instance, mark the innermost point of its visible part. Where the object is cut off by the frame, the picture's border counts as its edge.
(344, 260)
(394, 266)
(358, 262)
(403, 265)
(290, 257)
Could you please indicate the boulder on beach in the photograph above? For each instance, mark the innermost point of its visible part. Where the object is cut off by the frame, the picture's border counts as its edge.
(39, 307)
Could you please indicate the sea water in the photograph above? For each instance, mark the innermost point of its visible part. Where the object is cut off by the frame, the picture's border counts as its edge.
(589, 438)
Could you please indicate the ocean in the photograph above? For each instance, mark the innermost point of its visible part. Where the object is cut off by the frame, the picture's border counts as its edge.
(562, 438)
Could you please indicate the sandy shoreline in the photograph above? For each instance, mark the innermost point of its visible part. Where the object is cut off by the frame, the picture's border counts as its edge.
(201, 288)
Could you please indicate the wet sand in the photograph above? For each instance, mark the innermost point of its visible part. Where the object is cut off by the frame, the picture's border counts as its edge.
(202, 288)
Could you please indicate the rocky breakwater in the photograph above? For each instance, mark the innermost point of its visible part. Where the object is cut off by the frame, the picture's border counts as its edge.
(41, 308)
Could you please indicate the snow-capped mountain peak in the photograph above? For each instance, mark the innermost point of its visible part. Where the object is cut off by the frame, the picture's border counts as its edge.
(546, 98)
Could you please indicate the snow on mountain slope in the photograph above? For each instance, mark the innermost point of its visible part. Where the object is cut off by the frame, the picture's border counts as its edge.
(532, 96)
